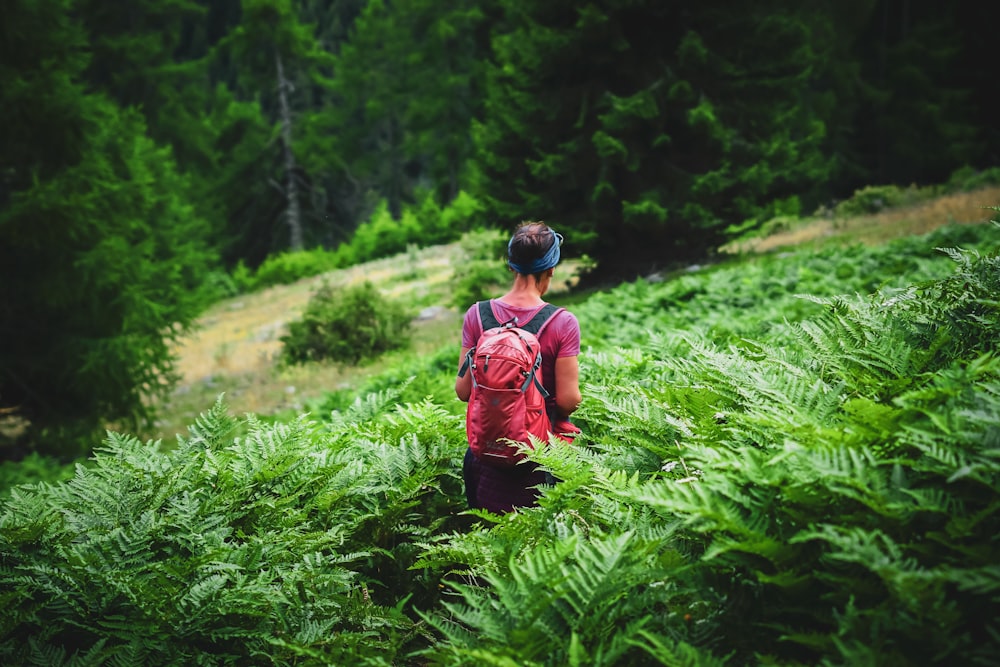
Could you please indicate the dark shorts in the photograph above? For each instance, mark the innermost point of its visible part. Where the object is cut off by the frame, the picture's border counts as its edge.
(501, 489)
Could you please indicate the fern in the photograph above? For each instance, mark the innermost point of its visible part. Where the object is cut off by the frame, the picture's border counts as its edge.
(574, 601)
(226, 548)
(210, 428)
(762, 478)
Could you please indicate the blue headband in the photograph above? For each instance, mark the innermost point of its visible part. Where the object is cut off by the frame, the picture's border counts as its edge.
(543, 263)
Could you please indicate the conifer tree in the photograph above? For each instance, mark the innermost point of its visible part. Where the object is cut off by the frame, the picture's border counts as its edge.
(404, 92)
(274, 52)
(100, 252)
(917, 121)
(648, 129)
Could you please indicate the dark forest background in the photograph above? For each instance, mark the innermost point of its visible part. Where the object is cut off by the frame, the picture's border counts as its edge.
(150, 147)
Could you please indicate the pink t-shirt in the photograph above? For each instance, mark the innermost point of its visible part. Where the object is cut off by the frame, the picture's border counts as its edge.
(560, 338)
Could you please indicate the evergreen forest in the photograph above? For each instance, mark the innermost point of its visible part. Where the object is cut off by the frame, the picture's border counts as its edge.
(787, 458)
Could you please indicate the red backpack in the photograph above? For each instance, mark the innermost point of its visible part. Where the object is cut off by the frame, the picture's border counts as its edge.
(508, 400)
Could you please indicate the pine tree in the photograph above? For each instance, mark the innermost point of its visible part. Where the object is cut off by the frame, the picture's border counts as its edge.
(101, 255)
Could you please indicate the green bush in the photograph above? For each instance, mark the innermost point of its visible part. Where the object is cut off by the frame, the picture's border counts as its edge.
(478, 280)
(485, 244)
(381, 236)
(289, 267)
(484, 273)
(347, 325)
(442, 225)
(967, 179)
(219, 285)
(875, 198)
(423, 225)
(242, 277)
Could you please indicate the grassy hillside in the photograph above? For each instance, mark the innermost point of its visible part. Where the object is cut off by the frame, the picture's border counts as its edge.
(235, 346)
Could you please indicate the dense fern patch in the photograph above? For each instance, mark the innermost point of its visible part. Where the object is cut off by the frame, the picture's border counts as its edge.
(788, 461)
(283, 545)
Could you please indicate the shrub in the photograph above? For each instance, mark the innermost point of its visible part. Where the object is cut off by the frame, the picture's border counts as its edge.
(967, 179)
(219, 285)
(778, 225)
(346, 325)
(242, 277)
(478, 280)
(289, 267)
(485, 244)
(441, 225)
(379, 236)
(484, 273)
(422, 225)
(382, 236)
(875, 198)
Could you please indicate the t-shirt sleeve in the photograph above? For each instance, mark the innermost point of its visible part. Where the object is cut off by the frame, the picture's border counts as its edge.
(567, 330)
(471, 327)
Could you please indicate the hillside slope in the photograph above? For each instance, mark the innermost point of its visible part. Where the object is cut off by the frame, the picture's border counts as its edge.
(235, 345)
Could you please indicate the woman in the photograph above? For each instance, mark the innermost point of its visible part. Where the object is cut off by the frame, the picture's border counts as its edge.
(532, 255)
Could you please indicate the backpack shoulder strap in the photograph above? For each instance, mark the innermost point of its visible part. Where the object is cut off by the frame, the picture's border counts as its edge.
(541, 318)
(487, 320)
(486, 317)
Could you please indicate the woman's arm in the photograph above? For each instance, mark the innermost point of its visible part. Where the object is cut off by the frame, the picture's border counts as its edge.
(567, 385)
(463, 384)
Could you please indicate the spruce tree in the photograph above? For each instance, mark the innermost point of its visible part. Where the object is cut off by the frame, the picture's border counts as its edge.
(101, 253)
(648, 129)
(404, 91)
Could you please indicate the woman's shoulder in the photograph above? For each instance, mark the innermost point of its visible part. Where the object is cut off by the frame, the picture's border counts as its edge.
(564, 324)
(565, 314)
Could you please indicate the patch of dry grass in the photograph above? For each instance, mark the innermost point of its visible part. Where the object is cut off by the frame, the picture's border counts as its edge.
(913, 220)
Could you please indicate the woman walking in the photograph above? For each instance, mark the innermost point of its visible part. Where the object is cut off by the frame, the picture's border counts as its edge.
(532, 255)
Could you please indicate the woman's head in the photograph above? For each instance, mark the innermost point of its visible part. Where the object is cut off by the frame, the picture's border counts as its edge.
(533, 249)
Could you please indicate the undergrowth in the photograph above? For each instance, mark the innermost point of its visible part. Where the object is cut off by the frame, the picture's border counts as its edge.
(788, 461)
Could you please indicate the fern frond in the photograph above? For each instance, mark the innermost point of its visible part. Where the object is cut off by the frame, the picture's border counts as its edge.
(675, 654)
(211, 428)
(854, 342)
(367, 408)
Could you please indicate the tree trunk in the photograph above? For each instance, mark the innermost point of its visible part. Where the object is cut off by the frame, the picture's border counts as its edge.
(395, 185)
(293, 214)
